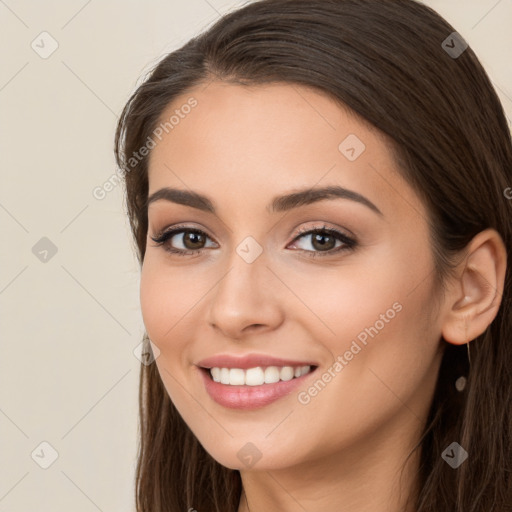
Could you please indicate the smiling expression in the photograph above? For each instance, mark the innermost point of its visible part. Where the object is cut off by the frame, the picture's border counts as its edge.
(237, 187)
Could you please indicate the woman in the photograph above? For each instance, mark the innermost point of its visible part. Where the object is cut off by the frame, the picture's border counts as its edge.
(317, 191)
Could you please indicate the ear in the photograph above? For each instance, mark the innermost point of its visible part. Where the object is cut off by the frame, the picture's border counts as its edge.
(474, 297)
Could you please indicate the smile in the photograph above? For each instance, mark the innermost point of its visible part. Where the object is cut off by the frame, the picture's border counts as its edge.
(225, 387)
(258, 375)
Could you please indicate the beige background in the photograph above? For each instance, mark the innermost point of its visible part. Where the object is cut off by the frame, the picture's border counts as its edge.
(70, 320)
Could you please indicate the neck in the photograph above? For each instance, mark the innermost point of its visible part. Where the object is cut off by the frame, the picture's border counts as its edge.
(359, 478)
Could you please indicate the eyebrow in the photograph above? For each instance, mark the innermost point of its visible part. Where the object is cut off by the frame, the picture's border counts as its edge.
(278, 203)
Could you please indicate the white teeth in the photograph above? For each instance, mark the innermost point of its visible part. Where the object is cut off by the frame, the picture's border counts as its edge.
(254, 376)
(236, 377)
(272, 375)
(224, 375)
(287, 373)
(258, 375)
(215, 372)
(305, 369)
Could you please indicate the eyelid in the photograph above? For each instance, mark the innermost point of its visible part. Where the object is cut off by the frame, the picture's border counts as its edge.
(348, 241)
(325, 227)
(171, 231)
(301, 231)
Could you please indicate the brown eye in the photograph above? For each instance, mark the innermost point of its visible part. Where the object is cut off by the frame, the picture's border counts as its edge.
(322, 241)
(192, 241)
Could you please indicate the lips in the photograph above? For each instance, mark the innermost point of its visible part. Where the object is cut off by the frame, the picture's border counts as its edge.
(250, 361)
(246, 397)
(222, 377)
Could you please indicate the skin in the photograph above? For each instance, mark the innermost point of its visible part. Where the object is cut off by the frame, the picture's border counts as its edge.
(344, 450)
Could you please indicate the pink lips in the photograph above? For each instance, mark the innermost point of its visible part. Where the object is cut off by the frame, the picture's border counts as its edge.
(249, 361)
(249, 397)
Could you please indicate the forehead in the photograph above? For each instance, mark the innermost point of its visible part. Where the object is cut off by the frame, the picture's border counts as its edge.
(258, 140)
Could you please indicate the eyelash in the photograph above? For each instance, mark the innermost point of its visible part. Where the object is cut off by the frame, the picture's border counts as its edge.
(348, 243)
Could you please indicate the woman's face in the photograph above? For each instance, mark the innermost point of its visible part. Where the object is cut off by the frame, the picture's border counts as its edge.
(356, 302)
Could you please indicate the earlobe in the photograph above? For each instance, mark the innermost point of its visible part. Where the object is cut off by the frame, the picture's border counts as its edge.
(474, 299)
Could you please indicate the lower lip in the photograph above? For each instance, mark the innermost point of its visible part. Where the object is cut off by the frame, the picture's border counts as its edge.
(249, 397)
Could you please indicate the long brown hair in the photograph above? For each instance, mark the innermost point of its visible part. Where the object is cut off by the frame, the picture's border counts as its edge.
(390, 64)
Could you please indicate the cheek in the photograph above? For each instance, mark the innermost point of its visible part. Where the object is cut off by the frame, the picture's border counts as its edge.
(360, 301)
(390, 348)
(152, 300)
(380, 324)
(170, 301)
(162, 298)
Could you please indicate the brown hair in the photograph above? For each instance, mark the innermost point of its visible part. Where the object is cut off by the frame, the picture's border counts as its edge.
(385, 61)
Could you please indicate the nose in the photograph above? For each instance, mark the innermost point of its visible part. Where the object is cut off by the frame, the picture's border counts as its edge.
(246, 299)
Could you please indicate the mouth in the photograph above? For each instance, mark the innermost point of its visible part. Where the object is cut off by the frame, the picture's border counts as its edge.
(256, 376)
(253, 388)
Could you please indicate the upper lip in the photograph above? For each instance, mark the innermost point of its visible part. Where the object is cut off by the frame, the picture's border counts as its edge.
(248, 361)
